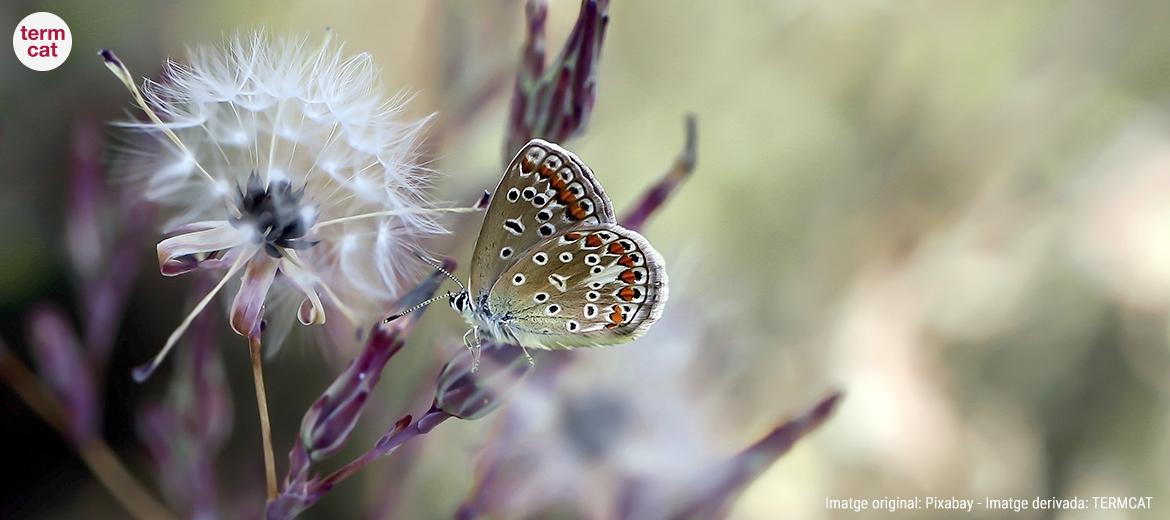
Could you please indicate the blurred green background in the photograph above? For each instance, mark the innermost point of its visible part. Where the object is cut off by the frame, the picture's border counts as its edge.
(957, 212)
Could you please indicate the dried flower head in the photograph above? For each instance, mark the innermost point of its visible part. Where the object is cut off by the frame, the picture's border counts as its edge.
(284, 163)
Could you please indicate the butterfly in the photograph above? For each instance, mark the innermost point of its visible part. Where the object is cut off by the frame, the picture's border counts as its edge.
(551, 268)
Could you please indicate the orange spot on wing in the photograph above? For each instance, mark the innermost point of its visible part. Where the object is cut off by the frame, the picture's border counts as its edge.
(593, 240)
(577, 212)
(627, 293)
(565, 196)
(628, 276)
(617, 317)
(626, 261)
(557, 183)
(573, 236)
(611, 326)
(616, 248)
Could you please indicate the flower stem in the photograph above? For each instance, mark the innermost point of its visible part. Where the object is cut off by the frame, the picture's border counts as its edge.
(254, 348)
(95, 453)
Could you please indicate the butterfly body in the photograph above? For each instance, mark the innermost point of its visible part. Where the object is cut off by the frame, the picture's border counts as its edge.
(552, 269)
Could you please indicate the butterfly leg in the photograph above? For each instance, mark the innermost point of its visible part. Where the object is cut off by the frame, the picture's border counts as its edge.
(473, 346)
(531, 362)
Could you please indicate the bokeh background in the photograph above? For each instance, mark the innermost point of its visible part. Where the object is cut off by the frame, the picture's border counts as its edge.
(957, 212)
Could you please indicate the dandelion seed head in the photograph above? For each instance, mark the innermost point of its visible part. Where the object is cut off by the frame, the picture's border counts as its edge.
(293, 144)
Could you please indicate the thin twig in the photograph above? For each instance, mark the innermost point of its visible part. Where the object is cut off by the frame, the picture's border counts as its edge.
(254, 348)
(97, 455)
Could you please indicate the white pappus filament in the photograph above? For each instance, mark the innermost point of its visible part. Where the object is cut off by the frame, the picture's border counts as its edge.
(282, 162)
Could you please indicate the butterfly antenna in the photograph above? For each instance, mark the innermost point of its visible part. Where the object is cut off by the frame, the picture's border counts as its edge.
(415, 308)
(432, 299)
(432, 263)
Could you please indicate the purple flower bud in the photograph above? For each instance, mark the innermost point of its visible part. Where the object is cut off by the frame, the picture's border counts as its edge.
(62, 366)
(333, 416)
(714, 497)
(330, 419)
(555, 103)
(184, 433)
(471, 395)
(82, 231)
(664, 188)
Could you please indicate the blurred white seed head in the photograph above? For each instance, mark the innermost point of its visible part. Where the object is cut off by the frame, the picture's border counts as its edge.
(281, 159)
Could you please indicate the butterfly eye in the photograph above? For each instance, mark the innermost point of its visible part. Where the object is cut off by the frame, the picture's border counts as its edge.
(540, 258)
(513, 195)
(518, 279)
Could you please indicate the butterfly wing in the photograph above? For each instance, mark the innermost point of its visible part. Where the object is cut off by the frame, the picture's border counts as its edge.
(544, 191)
(593, 285)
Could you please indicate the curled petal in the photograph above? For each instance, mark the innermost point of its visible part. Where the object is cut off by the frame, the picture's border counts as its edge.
(248, 307)
(181, 254)
(311, 311)
(201, 225)
(307, 313)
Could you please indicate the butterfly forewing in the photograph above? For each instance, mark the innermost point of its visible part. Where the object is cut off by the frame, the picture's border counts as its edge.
(545, 191)
(592, 285)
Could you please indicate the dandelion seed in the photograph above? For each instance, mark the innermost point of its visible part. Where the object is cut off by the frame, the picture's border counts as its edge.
(283, 163)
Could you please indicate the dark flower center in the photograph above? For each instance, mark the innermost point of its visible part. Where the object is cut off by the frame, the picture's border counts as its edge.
(275, 212)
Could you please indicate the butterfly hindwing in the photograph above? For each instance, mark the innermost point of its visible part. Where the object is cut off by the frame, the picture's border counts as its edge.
(545, 191)
(593, 285)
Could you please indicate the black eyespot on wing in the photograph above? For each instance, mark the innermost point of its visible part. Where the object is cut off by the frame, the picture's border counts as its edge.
(543, 215)
(528, 193)
(513, 195)
(514, 226)
(547, 230)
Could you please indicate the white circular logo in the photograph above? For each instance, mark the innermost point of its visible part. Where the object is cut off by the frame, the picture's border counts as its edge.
(42, 41)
